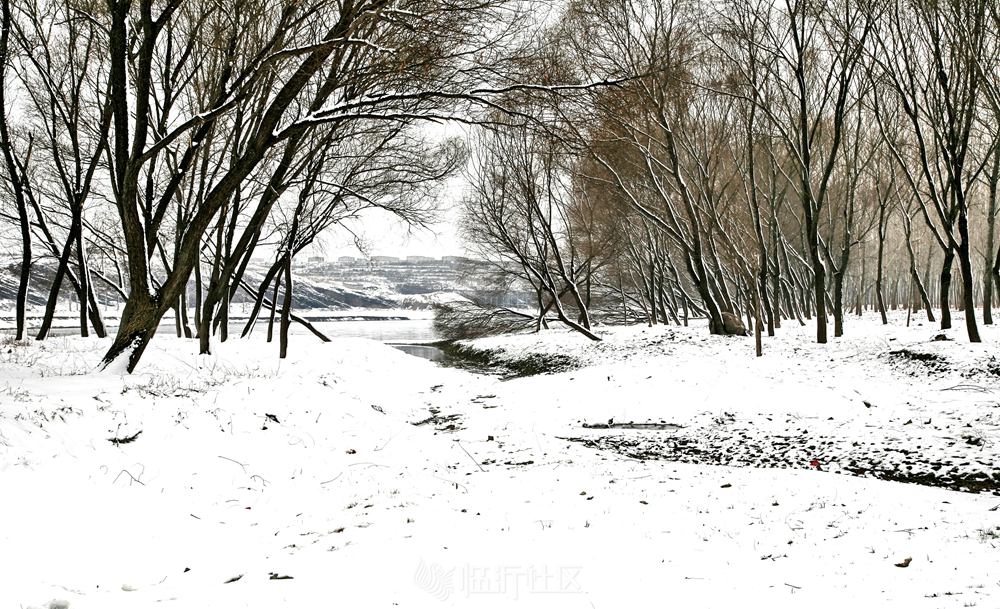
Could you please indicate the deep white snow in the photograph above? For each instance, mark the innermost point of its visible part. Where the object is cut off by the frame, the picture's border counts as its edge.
(313, 469)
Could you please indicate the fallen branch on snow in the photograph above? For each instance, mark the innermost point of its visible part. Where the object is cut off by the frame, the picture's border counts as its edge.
(125, 440)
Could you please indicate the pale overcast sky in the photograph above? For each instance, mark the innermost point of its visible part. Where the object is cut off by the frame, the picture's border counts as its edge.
(387, 236)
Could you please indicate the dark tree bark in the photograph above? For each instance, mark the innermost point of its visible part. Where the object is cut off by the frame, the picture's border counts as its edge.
(992, 178)
(14, 177)
(944, 288)
(286, 307)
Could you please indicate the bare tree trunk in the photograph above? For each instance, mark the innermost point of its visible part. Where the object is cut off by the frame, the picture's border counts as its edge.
(260, 296)
(758, 341)
(909, 302)
(274, 307)
(286, 308)
(996, 269)
(880, 275)
(139, 322)
(53, 299)
(924, 298)
(540, 318)
(838, 301)
(864, 280)
(13, 172)
(224, 316)
(775, 273)
(305, 323)
(84, 278)
(968, 285)
(945, 288)
(991, 217)
(197, 297)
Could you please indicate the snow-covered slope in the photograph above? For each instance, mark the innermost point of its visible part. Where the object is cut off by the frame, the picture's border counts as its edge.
(410, 285)
(353, 474)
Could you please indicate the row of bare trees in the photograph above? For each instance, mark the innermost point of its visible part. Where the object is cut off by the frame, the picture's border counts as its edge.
(766, 159)
(770, 160)
(153, 148)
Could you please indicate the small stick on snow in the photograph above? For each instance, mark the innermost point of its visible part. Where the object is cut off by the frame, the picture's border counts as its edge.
(332, 479)
(126, 439)
(243, 465)
(471, 457)
(967, 387)
(134, 479)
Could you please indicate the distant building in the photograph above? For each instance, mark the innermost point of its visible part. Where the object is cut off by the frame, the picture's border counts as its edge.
(420, 259)
(455, 259)
(384, 259)
(347, 260)
(316, 260)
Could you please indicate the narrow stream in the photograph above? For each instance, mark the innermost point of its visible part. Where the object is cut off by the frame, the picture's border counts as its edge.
(425, 351)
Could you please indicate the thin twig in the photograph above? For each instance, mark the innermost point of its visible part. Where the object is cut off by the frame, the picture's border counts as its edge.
(470, 456)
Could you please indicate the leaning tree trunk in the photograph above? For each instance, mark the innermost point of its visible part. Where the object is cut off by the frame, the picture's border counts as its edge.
(945, 288)
(699, 275)
(260, 297)
(915, 276)
(273, 309)
(139, 322)
(924, 298)
(302, 321)
(53, 299)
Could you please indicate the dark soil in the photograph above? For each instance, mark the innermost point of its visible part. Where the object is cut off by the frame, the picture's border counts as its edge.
(736, 447)
(440, 422)
(632, 425)
(990, 367)
(930, 362)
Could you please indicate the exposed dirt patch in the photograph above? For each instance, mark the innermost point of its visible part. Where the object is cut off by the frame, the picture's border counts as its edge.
(440, 422)
(888, 459)
(632, 425)
(919, 362)
(989, 368)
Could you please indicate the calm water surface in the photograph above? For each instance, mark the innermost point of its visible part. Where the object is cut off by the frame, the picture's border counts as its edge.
(404, 334)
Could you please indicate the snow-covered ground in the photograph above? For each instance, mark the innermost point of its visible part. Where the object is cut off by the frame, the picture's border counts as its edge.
(353, 474)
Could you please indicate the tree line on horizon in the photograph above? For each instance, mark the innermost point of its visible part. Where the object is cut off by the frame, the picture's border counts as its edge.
(625, 160)
(779, 160)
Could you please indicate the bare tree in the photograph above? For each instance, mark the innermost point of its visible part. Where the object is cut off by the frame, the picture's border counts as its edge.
(13, 170)
(518, 209)
(924, 52)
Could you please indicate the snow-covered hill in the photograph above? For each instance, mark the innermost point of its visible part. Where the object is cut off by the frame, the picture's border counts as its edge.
(358, 283)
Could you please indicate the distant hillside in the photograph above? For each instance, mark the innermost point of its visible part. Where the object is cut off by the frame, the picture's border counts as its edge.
(380, 283)
(417, 282)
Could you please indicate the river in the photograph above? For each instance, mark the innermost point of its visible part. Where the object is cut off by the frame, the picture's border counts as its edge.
(397, 328)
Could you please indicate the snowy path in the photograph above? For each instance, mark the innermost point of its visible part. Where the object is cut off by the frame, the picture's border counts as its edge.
(338, 489)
